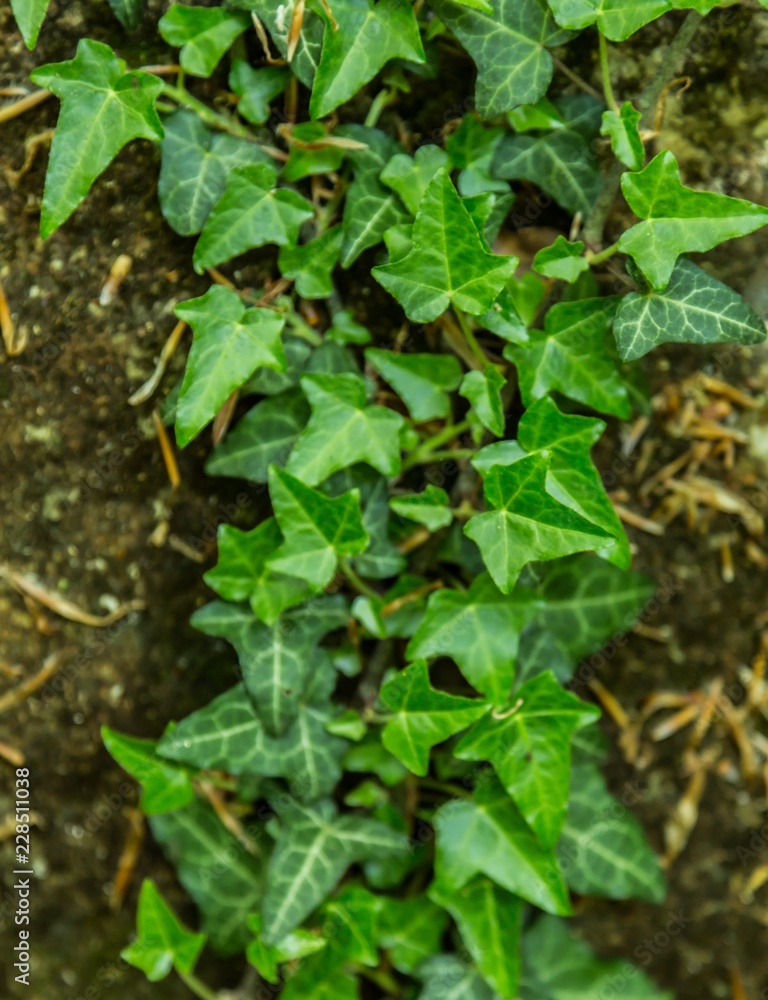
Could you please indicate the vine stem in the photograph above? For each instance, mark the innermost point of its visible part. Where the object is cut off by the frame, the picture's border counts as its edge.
(598, 258)
(605, 68)
(197, 986)
(445, 786)
(379, 103)
(425, 451)
(357, 581)
(471, 339)
(593, 227)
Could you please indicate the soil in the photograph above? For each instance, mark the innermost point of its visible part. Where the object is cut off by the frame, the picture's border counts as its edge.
(84, 489)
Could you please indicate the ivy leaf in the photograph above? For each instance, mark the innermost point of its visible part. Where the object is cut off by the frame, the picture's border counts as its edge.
(423, 381)
(230, 342)
(694, 308)
(489, 919)
(128, 12)
(381, 559)
(410, 930)
(164, 786)
(314, 850)
(431, 507)
(195, 165)
(359, 38)
(197, 845)
(257, 88)
(570, 357)
(483, 390)
(409, 176)
(346, 330)
(563, 260)
(266, 958)
(572, 477)
(163, 942)
(278, 18)
(310, 264)
(450, 976)
(423, 716)
(202, 33)
(343, 430)
(678, 219)
(264, 437)
(562, 163)
(479, 629)
(449, 262)
(526, 524)
(616, 19)
(29, 15)
(251, 212)
(102, 109)
(487, 835)
(471, 148)
(311, 152)
(529, 745)
(626, 143)
(318, 530)
(299, 355)
(559, 967)
(510, 48)
(603, 850)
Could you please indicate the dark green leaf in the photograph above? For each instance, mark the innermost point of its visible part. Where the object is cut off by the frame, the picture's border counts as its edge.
(423, 381)
(202, 33)
(257, 88)
(128, 12)
(411, 930)
(310, 264)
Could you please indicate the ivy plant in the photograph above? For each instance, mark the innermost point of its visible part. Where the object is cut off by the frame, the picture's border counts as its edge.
(410, 795)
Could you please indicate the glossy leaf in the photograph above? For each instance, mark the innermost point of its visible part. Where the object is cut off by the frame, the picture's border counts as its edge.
(471, 148)
(526, 524)
(449, 262)
(449, 976)
(678, 219)
(529, 747)
(510, 48)
(487, 835)
(164, 786)
(694, 308)
(483, 390)
(622, 127)
(562, 260)
(422, 716)
(431, 507)
(257, 88)
(251, 212)
(202, 33)
(163, 942)
(310, 264)
(616, 19)
(410, 930)
(230, 342)
(423, 381)
(344, 429)
(195, 166)
(570, 356)
(409, 176)
(103, 107)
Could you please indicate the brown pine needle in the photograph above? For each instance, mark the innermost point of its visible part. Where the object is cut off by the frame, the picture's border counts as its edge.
(22, 691)
(223, 418)
(128, 858)
(166, 449)
(638, 521)
(14, 342)
(66, 609)
(145, 391)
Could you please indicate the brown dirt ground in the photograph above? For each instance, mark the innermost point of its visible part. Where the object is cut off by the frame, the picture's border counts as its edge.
(83, 488)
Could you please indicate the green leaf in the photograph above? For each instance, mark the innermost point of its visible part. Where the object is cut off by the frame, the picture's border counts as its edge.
(526, 524)
(431, 507)
(257, 88)
(562, 163)
(678, 219)
(202, 33)
(310, 152)
(223, 878)
(310, 265)
(346, 330)
(29, 15)
(102, 109)
(694, 308)
(370, 209)
(529, 745)
(359, 38)
(344, 429)
(318, 530)
(616, 19)
(230, 342)
(195, 166)
(266, 958)
(449, 976)
(471, 148)
(489, 919)
(449, 262)
(423, 716)
(251, 212)
(409, 176)
(277, 18)
(543, 116)
(128, 12)
(163, 942)
(559, 967)
(423, 381)
(603, 850)
(562, 260)
(571, 357)
(164, 786)
(410, 930)
(381, 559)
(510, 48)
(315, 849)
(299, 356)
(622, 128)
(572, 477)
(483, 390)
(479, 629)
(487, 835)
(264, 437)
